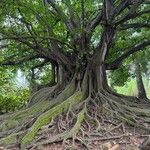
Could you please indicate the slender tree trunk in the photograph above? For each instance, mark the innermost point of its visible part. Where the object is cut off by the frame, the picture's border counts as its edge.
(53, 76)
(139, 81)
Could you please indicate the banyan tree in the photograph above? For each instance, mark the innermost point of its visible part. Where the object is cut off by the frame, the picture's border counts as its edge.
(80, 41)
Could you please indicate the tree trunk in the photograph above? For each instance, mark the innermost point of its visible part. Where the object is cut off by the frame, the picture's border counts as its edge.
(53, 75)
(139, 81)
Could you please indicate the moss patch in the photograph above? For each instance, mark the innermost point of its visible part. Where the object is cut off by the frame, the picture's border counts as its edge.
(79, 121)
(11, 139)
(52, 113)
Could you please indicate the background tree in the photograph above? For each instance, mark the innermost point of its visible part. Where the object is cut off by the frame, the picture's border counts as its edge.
(140, 84)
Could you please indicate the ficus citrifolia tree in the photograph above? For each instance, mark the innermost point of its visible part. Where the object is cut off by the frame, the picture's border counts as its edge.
(80, 40)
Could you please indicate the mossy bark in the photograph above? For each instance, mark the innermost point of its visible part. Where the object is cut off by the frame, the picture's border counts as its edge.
(67, 134)
(12, 123)
(37, 109)
(46, 117)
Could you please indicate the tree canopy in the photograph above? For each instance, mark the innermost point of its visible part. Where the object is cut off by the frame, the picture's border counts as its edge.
(35, 32)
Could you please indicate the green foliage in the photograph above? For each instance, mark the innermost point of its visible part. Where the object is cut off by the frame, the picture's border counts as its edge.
(11, 97)
(119, 77)
(43, 75)
(130, 88)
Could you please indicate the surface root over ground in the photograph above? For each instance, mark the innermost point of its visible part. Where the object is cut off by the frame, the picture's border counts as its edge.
(74, 120)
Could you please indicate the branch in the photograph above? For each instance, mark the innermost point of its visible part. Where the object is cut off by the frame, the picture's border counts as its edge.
(108, 9)
(30, 37)
(73, 21)
(56, 8)
(134, 25)
(61, 14)
(94, 22)
(131, 14)
(54, 56)
(116, 63)
(123, 5)
(23, 39)
(37, 66)
(39, 37)
(126, 4)
(40, 65)
(20, 61)
(28, 25)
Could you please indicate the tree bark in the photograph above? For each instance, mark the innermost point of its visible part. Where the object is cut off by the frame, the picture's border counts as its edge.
(139, 81)
(53, 76)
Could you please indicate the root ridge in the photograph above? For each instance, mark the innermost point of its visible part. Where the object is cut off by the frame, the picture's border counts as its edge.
(75, 119)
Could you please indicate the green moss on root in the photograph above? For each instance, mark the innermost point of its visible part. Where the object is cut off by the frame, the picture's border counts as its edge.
(11, 139)
(20, 117)
(52, 113)
(23, 116)
(67, 134)
(8, 125)
(79, 121)
(66, 93)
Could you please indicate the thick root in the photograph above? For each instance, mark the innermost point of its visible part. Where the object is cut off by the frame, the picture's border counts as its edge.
(91, 114)
(42, 94)
(11, 124)
(126, 111)
(50, 114)
(67, 134)
(14, 120)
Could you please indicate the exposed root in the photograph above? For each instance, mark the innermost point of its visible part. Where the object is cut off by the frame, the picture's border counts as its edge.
(42, 94)
(68, 134)
(146, 144)
(91, 109)
(52, 113)
(22, 120)
(59, 115)
(127, 113)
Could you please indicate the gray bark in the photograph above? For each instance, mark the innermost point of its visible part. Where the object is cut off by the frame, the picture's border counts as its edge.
(139, 81)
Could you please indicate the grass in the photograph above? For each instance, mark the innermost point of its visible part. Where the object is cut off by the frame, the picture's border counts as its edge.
(130, 88)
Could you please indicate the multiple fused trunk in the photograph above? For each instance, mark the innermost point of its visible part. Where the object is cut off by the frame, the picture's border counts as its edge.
(89, 78)
(88, 70)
